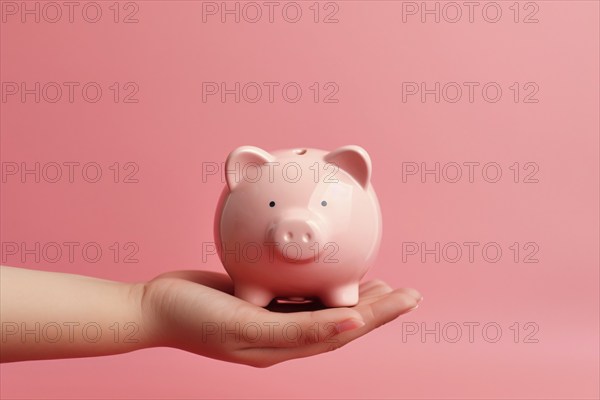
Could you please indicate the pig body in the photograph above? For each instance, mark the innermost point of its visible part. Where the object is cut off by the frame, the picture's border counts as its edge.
(298, 224)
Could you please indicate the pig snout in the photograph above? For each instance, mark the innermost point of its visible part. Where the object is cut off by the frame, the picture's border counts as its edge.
(296, 239)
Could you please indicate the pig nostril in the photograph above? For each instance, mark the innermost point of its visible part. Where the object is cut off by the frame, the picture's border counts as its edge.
(300, 152)
(288, 236)
(306, 237)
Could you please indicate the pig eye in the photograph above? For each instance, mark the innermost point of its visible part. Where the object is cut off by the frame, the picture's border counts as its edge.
(323, 203)
(272, 204)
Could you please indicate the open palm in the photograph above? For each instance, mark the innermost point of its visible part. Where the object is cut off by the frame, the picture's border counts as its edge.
(196, 311)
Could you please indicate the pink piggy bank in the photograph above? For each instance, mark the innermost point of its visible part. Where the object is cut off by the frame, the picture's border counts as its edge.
(298, 224)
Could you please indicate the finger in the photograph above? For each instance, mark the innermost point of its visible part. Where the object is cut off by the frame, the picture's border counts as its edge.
(413, 292)
(368, 286)
(272, 329)
(387, 308)
(373, 292)
(286, 330)
(374, 315)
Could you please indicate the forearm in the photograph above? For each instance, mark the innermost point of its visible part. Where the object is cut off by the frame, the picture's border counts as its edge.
(48, 315)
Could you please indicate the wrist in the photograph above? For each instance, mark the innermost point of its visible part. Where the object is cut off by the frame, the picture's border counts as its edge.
(143, 315)
(147, 307)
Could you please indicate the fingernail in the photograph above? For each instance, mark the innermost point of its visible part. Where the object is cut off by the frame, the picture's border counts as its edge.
(348, 325)
(415, 294)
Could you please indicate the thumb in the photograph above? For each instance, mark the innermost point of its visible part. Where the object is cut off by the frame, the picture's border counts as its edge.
(274, 329)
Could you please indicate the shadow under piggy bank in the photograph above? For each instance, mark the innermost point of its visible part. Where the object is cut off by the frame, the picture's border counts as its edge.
(289, 306)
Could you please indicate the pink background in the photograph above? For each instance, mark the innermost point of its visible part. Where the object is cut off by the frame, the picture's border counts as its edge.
(170, 133)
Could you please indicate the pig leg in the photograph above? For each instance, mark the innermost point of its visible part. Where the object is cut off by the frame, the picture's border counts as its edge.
(253, 294)
(341, 296)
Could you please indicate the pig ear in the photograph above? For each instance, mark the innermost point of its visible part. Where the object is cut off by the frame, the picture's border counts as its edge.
(239, 158)
(354, 160)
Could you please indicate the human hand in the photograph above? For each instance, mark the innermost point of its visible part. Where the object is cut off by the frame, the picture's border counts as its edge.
(197, 312)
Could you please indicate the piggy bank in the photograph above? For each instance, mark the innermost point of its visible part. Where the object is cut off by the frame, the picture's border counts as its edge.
(298, 224)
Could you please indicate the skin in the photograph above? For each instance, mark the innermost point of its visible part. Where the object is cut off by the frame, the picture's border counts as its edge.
(190, 310)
